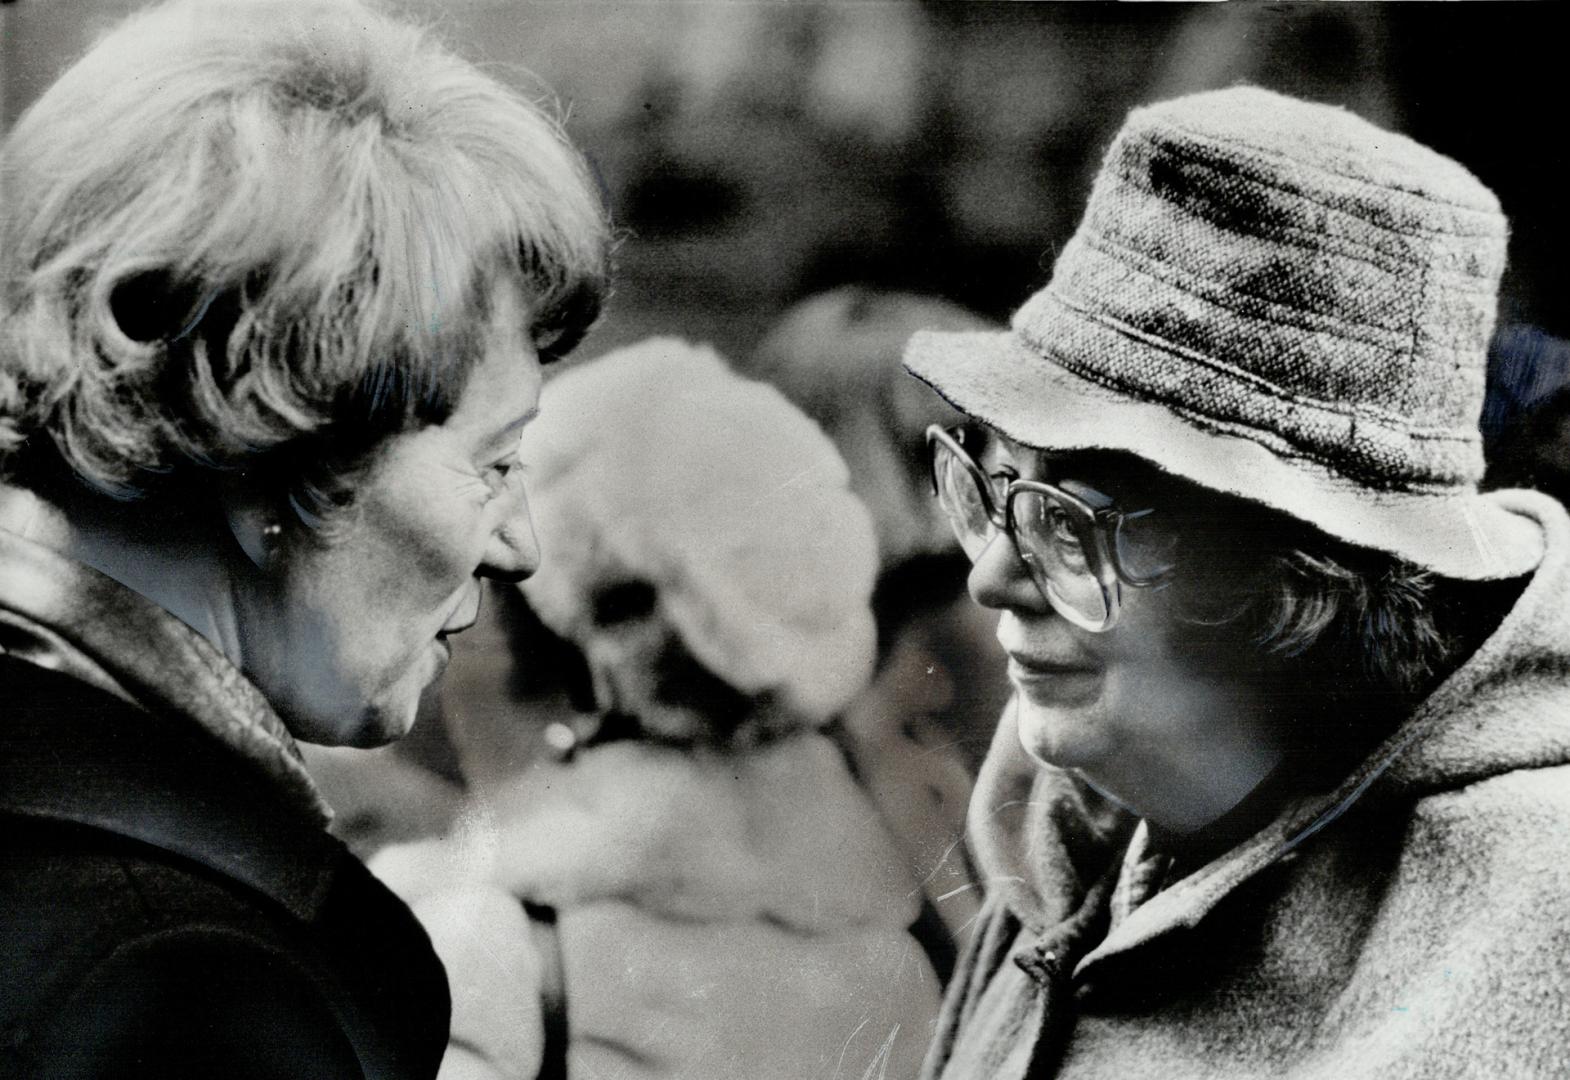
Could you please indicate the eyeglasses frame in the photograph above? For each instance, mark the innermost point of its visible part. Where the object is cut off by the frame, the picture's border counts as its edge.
(1093, 514)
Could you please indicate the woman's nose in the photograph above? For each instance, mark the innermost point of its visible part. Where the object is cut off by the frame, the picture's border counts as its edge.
(513, 552)
(1000, 579)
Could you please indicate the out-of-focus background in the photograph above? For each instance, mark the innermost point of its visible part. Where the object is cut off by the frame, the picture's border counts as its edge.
(753, 153)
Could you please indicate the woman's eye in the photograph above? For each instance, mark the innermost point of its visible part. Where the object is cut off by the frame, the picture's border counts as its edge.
(1000, 481)
(500, 473)
(1059, 524)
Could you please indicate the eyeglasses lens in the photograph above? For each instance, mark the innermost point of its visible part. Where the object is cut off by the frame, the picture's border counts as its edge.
(1046, 533)
(1049, 543)
(962, 501)
(1145, 550)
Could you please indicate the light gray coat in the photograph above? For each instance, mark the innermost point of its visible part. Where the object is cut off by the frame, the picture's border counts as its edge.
(1413, 923)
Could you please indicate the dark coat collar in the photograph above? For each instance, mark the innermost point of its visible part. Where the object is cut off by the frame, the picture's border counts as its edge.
(72, 752)
(62, 615)
(119, 716)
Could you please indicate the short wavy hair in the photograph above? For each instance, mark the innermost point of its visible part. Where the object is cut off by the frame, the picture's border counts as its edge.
(1345, 641)
(261, 235)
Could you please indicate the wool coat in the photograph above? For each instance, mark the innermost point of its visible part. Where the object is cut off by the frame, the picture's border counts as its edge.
(738, 914)
(1414, 922)
(170, 903)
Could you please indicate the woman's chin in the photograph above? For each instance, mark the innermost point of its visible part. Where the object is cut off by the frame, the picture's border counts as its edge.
(363, 724)
(381, 728)
(388, 720)
(390, 715)
(1065, 738)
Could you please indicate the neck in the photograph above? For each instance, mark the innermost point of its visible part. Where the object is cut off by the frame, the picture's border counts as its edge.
(1186, 800)
(173, 560)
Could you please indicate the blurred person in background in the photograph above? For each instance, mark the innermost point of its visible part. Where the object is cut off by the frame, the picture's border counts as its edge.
(1283, 788)
(1535, 452)
(695, 870)
(919, 731)
(278, 280)
(1526, 415)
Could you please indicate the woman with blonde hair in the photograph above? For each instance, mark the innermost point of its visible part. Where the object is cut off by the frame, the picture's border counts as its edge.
(277, 283)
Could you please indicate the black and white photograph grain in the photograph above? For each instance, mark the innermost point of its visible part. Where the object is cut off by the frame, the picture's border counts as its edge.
(784, 540)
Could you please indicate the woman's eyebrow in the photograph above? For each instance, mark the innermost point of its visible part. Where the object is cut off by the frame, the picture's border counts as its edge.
(1045, 461)
(510, 430)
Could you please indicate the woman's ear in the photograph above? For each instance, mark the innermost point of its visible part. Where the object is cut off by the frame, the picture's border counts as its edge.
(253, 521)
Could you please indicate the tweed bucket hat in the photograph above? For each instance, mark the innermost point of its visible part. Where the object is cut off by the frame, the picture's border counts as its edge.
(1277, 300)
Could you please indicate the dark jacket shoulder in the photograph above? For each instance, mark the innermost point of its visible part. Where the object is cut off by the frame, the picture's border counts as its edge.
(162, 913)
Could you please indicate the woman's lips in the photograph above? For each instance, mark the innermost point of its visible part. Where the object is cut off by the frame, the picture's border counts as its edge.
(1049, 681)
(1041, 665)
(467, 614)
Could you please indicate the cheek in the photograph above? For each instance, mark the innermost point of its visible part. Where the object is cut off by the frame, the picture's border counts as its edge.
(428, 550)
(1168, 699)
(365, 597)
(1152, 680)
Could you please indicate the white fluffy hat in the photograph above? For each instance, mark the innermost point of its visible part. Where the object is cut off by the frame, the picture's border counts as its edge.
(658, 462)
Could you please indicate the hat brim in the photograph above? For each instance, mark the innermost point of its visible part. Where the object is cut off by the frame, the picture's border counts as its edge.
(994, 378)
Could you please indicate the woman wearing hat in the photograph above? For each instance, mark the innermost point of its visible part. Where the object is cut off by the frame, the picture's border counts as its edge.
(1282, 787)
(277, 282)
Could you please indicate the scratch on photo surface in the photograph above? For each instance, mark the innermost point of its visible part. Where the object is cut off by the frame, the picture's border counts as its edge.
(1479, 536)
(878, 1067)
(954, 892)
(938, 869)
(912, 954)
(929, 750)
(845, 1047)
(1027, 803)
(794, 480)
(965, 926)
(201, 313)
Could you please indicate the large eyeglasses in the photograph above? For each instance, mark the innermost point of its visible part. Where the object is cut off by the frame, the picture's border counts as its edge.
(1081, 549)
